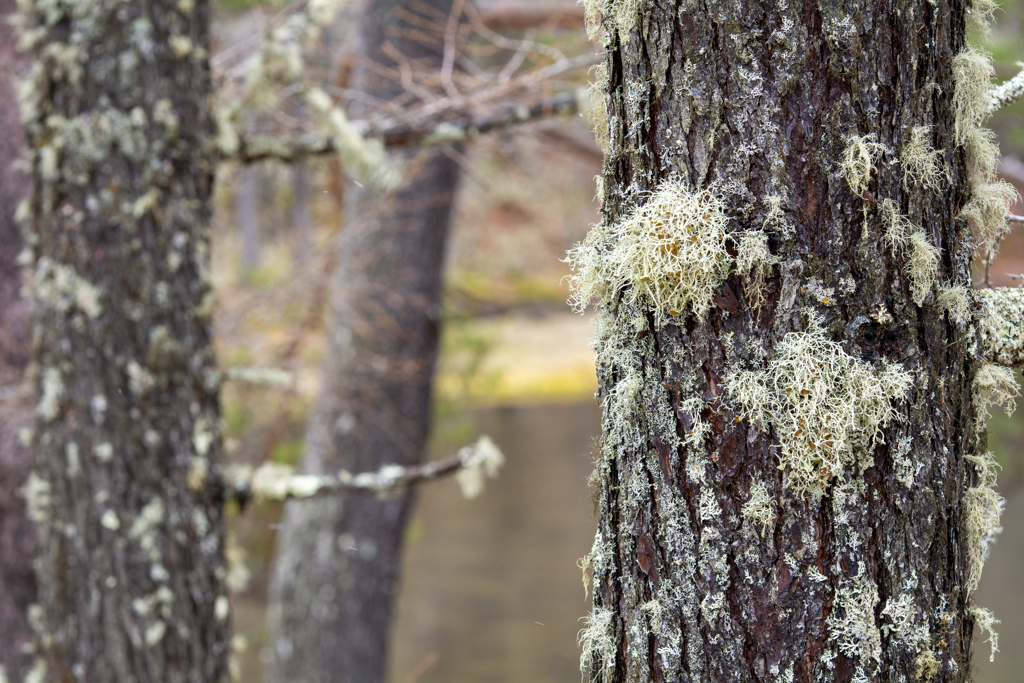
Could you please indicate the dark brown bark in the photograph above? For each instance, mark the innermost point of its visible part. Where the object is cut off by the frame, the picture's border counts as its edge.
(755, 99)
(125, 482)
(337, 561)
(17, 582)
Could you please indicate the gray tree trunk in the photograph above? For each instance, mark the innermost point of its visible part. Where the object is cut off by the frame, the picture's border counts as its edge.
(125, 485)
(17, 582)
(864, 575)
(337, 561)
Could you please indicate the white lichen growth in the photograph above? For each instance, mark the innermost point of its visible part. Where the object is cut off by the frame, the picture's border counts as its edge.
(922, 257)
(906, 625)
(982, 507)
(972, 73)
(597, 640)
(921, 162)
(754, 262)
(668, 254)
(986, 621)
(922, 265)
(759, 508)
(926, 666)
(1000, 329)
(980, 15)
(480, 462)
(52, 395)
(592, 104)
(852, 621)
(956, 301)
(994, 385)
(987, 209)
(822, 403)
(37, 493)
(859, 159)
(57, 287)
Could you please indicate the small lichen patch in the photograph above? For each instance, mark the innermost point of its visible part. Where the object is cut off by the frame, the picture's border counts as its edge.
(972, 73)
(759, 508)
(859, 159)
(926, 666)
(922, 265)
(994, 385)
(668, 254)
(986, 621)
(821, 402)
(482, 461)
(921, 163)
(904, 623)
(110, 521)
(852, 621)
(982, 507)
(1000, 329)
(986, 211)
(754, 262)
(956, 301)
(37, 498)
(58, 287)
(597, 640)
(52, 394)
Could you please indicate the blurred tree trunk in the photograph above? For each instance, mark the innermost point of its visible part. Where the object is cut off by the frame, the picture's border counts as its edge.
(125, 486)
(698, 576)
(337, 561)
(17, 582)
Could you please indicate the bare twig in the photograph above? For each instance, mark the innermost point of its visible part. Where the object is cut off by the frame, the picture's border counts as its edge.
(255, 147)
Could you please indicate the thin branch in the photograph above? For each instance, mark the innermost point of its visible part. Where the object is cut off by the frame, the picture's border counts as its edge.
(272, 481)
(1006, 93)
(1014, 218)
(1001, 325)
(254, 147)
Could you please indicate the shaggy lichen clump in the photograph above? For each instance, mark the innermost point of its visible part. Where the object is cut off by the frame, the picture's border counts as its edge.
(852, 621)
(859, 159)
(597, 639)
(982, 510)
(921, 162)
(821, 402)
(922, 260)
(760, 508)
(994, 385)
(668, 254)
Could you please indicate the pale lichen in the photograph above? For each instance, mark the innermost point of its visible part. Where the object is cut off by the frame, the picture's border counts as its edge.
(956, 301)
(921, 162)
(972, 73)
(597, 640)
(994, 385)
(926, 666)
(482, 460)
(982, 507)
(759, 508)
(1000, 328)
(986, 621)
(859, 159)
(821, 402)
(754, 262)
(669, 254)
(852, 621)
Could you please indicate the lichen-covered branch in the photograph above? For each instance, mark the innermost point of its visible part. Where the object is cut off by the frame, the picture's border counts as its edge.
(1006, 93)
(252, 148)
(1001, 325)
(272, 481)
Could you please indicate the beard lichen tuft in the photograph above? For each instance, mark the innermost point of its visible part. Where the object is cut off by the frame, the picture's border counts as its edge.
(669, 254)
(821, 403)
(972, 73)
(597, 641)
(921, 162)
(859, 161)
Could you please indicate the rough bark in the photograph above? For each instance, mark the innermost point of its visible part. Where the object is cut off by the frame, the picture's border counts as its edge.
(125, 481)
(757, 101)
(17, 582)
(337, 561)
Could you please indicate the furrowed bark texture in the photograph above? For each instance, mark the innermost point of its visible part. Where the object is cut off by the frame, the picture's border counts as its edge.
(125, 482)
(17, 535)
(759, 100)
(338, 560)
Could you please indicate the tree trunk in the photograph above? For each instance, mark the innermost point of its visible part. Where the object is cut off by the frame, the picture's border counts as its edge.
(125, 483)
(17, 582)
(337, 561)
(784, 483)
